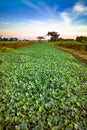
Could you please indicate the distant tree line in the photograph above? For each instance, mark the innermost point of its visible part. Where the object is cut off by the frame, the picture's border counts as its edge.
(54, 36)
(8, 39)
(11, 39)
(81, 38)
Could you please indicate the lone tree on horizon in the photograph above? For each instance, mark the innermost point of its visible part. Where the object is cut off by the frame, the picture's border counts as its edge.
(54, 36)
(40, 38)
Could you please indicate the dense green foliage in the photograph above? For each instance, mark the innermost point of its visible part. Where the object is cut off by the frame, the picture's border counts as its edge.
(54, 36)
(42, 88)
(81, 39)
(8, 39)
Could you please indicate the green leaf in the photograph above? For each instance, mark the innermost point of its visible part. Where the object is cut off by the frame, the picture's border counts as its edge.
(25, 108)
(7, 118)
(55, 128)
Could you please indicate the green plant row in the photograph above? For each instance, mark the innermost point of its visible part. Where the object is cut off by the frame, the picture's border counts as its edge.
(42, 88)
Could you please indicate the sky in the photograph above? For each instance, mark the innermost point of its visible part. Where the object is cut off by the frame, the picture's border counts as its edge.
(29, 19)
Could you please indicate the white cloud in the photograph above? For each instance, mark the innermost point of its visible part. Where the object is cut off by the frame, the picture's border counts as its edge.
(43, 9)
(64, 23)
(74, 14)
(30, 4)
(65, 17)
(80, 7)
(50, 12)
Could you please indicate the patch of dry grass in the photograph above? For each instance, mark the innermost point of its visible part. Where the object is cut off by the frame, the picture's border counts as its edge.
(13, 44)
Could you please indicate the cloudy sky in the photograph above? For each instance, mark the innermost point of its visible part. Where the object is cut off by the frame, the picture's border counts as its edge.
(31, 18)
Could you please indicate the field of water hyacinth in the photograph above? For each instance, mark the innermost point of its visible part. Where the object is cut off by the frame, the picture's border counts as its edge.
(42, 88)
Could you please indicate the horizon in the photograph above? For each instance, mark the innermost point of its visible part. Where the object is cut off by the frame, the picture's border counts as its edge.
(28, 19)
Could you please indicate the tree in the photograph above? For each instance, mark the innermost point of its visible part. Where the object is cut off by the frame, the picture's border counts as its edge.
(8, 39)
(0, 38)
(13, 39)
(81, 38)
(40, 38)
(4, 39)
(54, 36)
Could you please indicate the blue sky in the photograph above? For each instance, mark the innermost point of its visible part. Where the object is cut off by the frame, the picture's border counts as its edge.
(31, 18)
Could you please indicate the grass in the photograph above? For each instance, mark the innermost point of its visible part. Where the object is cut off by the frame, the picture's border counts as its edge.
(63, 42)
(75, 48)
(42, 88)
(6, 45)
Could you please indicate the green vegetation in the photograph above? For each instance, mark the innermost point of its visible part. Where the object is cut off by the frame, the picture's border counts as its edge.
(54, 36)
(42, 88)
(40, 38)
(63, 42)
(81, 39)
(8, 39)
(75, 45)
(6, 45)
